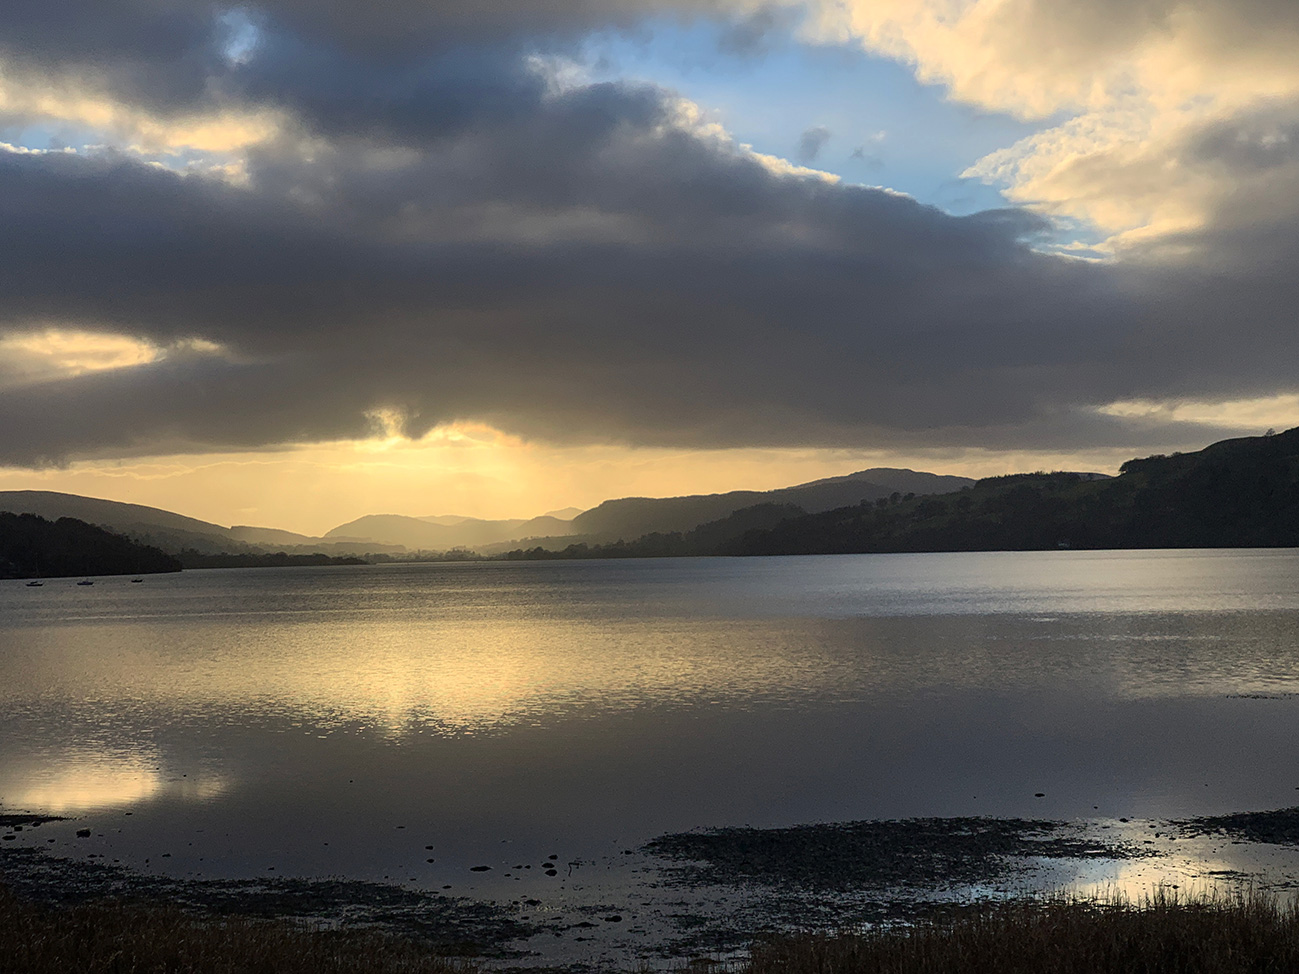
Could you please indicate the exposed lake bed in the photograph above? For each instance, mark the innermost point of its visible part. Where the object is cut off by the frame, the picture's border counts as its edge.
(701, 894)
(359, 740)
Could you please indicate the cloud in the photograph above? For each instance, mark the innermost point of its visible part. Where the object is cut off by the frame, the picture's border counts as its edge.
(811, 142)
(457, 232)
(1124, 87)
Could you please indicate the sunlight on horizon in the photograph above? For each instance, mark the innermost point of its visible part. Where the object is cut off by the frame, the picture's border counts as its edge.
(473, 470)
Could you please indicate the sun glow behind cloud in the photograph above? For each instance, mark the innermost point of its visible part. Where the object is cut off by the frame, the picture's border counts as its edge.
(1277, 412)
(54, 353)
(589, 253)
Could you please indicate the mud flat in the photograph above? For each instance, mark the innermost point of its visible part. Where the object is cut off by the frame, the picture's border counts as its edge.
(700, 894)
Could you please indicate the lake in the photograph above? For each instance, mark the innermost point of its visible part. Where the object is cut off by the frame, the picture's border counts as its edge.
(359, 722)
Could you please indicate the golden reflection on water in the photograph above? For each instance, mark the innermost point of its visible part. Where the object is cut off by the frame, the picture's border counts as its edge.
(82, 780)
(457, 677)
(469, 675)
(1189, 875)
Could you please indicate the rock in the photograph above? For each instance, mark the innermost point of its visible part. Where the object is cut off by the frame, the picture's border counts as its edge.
(479, 869)
(613, 918)
(83, 833)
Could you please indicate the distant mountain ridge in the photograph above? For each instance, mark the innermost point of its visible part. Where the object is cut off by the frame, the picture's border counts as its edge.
(446, 532)
(628, 518)
(1235, 493)
(166, 530)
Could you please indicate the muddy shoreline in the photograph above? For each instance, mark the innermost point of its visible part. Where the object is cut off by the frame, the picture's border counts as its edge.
(703, 893)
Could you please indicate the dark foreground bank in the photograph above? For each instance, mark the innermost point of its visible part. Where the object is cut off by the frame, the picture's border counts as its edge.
(119, 938)
(1163, 935)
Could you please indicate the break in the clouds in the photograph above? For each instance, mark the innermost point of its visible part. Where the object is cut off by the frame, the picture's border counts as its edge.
(308, 220)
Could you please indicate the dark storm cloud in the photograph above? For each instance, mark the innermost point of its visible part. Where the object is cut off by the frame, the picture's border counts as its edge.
(447, 235)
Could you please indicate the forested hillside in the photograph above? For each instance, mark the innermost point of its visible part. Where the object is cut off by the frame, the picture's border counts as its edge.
(32, 547)
(1236, 493)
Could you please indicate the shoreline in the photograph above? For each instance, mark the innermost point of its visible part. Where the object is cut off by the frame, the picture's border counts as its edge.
(717, 889)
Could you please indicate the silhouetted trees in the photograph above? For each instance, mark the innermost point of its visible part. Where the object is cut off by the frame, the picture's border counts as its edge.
(189, 558)
(32, 547)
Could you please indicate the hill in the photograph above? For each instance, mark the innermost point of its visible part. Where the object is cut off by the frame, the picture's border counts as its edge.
(630, 518)
(706, 539)
(170, 532)
(444, 532)
(1235, 493)
(34, 547)
(633, 517)
(147, 525)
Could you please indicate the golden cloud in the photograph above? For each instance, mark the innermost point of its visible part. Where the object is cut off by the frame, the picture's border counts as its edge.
(1137, 82)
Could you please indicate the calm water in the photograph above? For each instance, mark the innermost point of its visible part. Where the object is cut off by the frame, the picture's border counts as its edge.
(336, 721)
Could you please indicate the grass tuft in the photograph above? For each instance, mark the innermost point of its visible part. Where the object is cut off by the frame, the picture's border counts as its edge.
(1161, 934)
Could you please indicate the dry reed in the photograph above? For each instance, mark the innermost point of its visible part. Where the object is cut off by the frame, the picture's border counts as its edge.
(1161, 934)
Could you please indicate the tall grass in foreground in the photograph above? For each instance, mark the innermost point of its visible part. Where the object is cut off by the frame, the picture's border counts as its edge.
(116, 938)
(1162, 934)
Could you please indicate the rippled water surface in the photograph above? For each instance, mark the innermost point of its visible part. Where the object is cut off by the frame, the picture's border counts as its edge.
(336, 721)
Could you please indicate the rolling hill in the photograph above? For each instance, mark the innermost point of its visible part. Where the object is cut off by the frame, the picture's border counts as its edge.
(444, 532)
(170, 532)
(1235, 493)
(632, 517)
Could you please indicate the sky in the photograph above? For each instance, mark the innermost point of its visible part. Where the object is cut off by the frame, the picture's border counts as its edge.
(291, 262)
